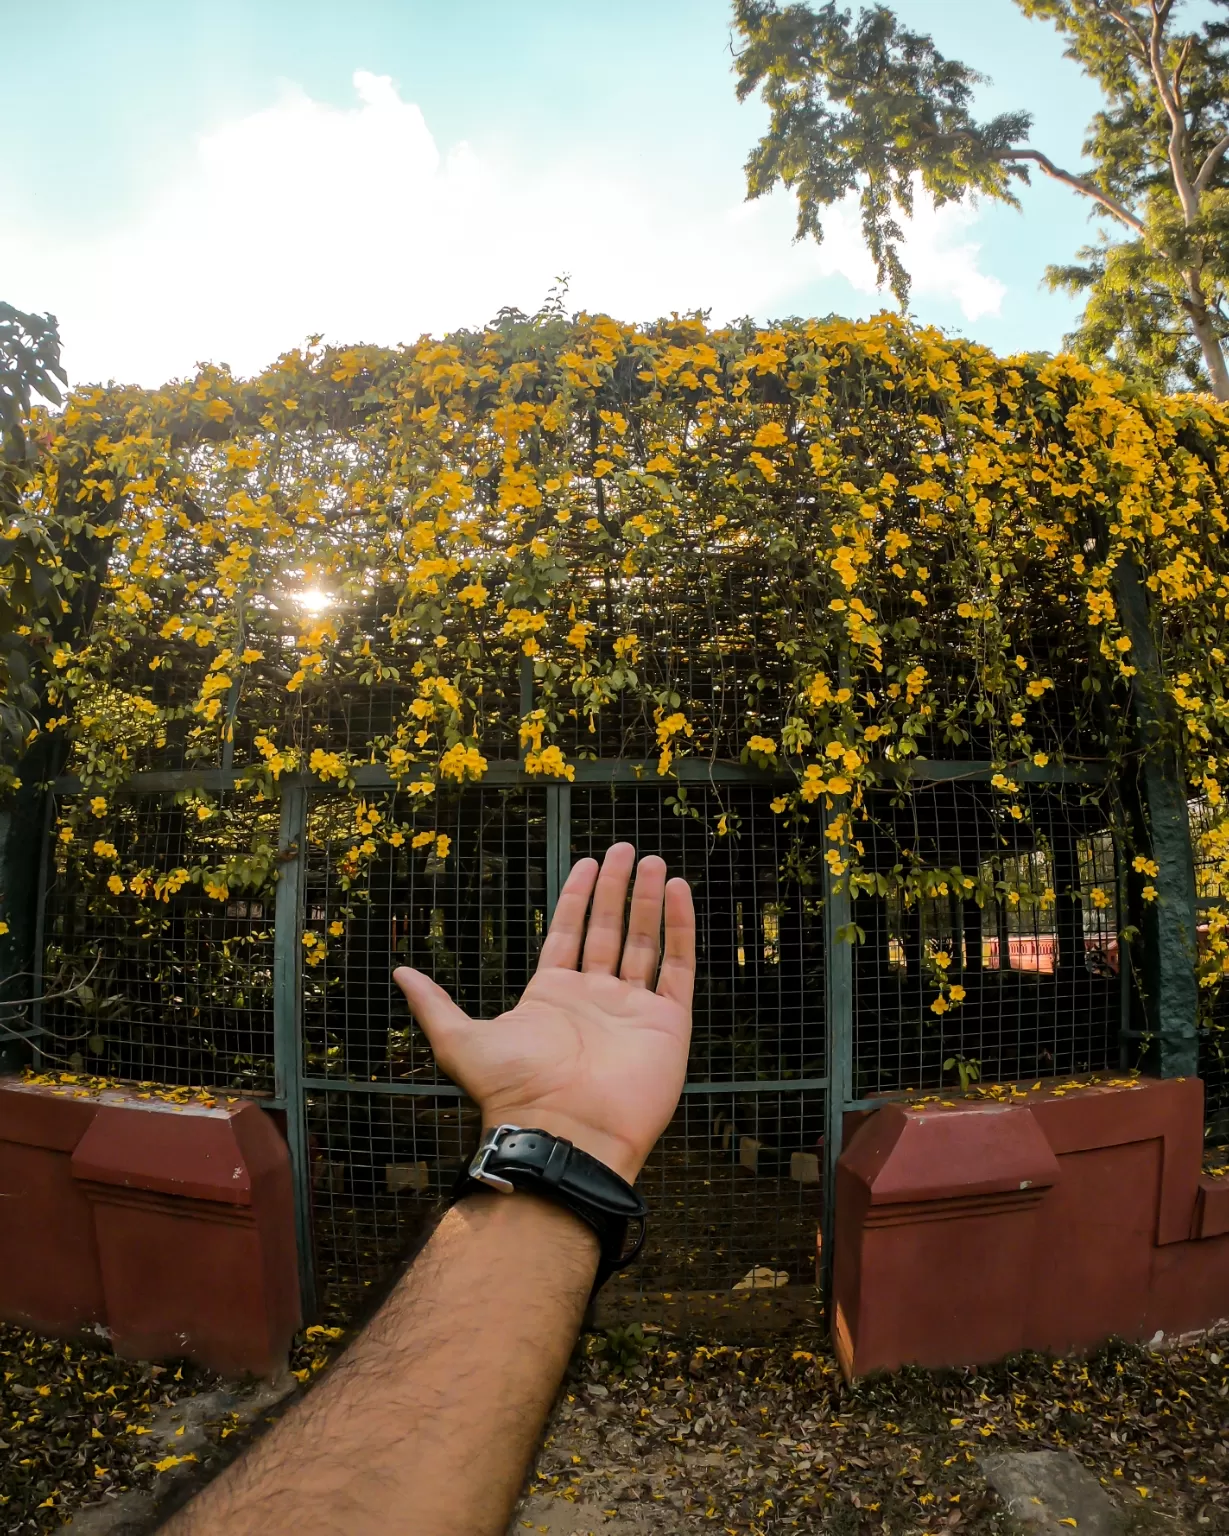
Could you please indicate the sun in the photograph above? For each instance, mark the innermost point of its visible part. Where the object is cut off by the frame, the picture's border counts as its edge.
(314, 599)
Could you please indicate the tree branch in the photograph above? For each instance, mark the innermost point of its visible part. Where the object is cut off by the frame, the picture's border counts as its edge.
(1177, 119)
(1128, 25)
(1208, 169)
(1077, 183)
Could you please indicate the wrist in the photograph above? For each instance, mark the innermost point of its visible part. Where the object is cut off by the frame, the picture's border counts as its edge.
(545, 1220)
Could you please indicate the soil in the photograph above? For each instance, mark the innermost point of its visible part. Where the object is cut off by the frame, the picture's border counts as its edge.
(765, 1439)
(658, 1433)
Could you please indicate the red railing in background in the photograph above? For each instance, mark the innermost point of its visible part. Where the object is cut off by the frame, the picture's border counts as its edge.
(1036, 952)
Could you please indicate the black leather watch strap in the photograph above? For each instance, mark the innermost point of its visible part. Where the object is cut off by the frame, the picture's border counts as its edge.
(512, 1158)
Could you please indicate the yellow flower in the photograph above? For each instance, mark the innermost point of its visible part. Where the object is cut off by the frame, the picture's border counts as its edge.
(4, 927)
(475, 594)
(105, 850)
(421, 839)
(66, 834)
(940, 1005)
(779, 804)
(1041, 759)
(812, 784)
(115, 885)
(98, 806)
(943, 959)
(765, 466)
(336, 929)
(443, 846)
(764, 745)
(327, 765)
(1149, 893)
(770, 435)
(956, 994)
(551, 762)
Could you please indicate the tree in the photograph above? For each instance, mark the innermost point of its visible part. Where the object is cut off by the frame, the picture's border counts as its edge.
(29, 369)
(866, 105)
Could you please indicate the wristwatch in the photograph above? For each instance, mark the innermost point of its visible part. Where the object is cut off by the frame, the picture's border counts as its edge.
(514, 1159)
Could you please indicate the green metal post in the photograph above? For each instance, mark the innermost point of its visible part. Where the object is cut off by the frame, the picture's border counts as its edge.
(558, 842)
(288, 1064)
(1170, 923)
(838, 1011)
(25, 850)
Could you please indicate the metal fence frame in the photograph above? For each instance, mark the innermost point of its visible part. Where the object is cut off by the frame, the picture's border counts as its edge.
(293, 1083)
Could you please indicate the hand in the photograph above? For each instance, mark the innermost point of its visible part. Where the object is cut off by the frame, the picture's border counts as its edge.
(593, 1054)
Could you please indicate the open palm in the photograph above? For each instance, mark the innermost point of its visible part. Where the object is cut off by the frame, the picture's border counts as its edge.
(595, 1054)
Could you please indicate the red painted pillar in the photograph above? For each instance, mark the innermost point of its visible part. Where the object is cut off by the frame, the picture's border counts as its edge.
(194, 1215)
(169, 1225)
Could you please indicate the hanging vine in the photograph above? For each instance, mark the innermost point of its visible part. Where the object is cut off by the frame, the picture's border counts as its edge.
(825, 548)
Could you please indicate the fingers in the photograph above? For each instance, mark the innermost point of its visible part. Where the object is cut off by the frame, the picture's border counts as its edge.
(642, 946)
(561, 947)
(678, 967)
(604, 943)
(430, 1004)
(604, 940)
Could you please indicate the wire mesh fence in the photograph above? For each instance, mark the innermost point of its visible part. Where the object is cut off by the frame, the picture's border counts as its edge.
(1001, 959)
(180, 992)
(467, 906)
(1000, 907)
(1214, 1020)
(381, 1163)
(736, 1178)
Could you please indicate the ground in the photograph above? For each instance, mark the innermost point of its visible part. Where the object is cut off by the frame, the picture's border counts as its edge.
(768, 1439)
(681, 1433)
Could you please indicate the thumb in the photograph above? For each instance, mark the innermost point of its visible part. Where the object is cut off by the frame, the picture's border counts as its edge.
(435, 1011)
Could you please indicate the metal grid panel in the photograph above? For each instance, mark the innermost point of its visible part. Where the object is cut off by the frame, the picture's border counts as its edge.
(179, 992)
(380, 1164)
(1214, 1023)
(1017, 942)
(695, 647)
(473, 920)
(734, 1181)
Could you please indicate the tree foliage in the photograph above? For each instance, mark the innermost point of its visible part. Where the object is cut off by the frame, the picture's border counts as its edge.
(868, 105)
(29, 370)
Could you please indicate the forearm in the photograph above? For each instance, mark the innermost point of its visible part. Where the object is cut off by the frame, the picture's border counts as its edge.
(426, 1424)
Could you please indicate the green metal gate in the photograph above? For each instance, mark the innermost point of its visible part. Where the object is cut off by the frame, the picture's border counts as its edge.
(812, 1004)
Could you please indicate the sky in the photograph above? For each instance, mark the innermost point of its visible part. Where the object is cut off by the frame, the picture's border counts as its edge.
(216, 180)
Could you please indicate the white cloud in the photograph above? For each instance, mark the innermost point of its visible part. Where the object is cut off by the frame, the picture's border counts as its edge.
(306, 217)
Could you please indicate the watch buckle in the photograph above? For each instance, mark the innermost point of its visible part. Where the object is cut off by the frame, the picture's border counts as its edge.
(478, 1168)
